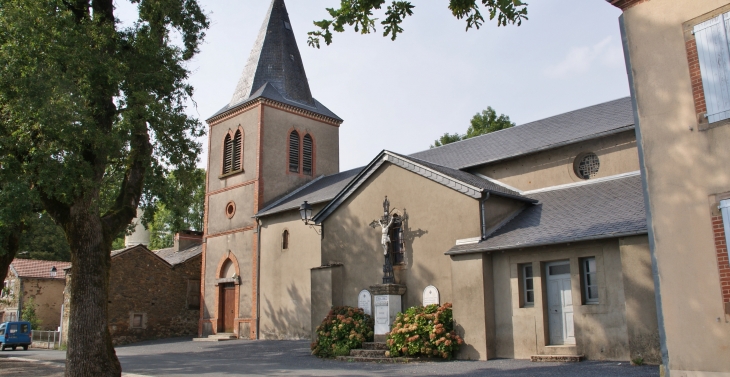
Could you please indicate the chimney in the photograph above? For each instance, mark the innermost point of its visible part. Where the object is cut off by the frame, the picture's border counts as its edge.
(186, 239)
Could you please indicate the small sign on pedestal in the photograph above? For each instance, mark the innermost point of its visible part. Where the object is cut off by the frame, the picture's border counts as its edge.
(365, 302)
(387, 306)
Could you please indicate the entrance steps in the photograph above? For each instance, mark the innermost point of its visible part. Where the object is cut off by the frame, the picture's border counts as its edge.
(559, 354)
(375, 352)
(217, 337)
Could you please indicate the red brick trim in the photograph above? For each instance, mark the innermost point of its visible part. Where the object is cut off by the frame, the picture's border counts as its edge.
(239, 230)
(695, 76)
(231, 187)
(625, 4)
(277, 105)
(723, 264)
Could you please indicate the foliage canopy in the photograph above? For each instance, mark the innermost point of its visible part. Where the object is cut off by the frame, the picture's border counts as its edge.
(481, 123)
(358, 14)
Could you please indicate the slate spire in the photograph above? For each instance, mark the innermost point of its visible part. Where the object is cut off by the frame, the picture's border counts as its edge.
(275, 60)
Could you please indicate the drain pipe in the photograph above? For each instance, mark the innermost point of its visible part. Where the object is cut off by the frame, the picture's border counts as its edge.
(482, 215)
(258, 278)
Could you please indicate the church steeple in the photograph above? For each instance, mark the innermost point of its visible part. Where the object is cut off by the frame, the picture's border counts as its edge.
(275, 60)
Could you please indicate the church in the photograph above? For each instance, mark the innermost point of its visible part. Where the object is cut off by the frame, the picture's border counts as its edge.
(537, 234)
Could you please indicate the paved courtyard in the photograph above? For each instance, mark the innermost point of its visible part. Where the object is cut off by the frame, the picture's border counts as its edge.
(182, 357)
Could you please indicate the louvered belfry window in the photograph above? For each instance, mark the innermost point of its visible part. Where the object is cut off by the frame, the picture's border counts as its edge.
(294, 152)
(307, 155)
(227, 154)
(237, 151)
(713, 52)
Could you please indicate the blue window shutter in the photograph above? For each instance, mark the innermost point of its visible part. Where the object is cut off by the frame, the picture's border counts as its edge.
(714, 56)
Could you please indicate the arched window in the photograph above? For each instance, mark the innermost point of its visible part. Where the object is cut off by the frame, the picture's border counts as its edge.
(237, 151)
(307, 155)
(294, 152)
(233, 152)
(227, 154)
(285, 240)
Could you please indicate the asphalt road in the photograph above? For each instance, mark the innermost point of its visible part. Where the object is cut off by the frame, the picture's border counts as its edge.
(182, 357)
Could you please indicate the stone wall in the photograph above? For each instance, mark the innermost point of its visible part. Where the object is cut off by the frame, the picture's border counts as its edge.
(47, 297)
(149, 299)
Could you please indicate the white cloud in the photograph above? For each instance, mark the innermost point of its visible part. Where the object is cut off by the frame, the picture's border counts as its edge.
(579, 60)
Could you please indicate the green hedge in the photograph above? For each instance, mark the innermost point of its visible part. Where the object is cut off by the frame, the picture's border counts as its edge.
(343, 329)
(424, 331)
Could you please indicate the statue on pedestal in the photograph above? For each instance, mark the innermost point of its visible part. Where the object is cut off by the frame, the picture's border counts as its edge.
(385, 223)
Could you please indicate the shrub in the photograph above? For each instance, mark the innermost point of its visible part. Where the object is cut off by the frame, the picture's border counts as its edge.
(29, 314)
(343, 329)
(424, 331)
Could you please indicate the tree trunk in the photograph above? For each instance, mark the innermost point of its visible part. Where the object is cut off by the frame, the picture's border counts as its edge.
(11, 243)
(90, 350)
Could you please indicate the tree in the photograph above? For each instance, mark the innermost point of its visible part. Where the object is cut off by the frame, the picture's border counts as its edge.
(28, 314)
(447, 138)
(43, 239)
(359, 15)
(94, 116)
(481, 123)
(182, 209)
(487, 121)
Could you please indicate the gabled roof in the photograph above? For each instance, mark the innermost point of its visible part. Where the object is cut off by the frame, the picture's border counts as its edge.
(320, 190)
(179, 257)
(30, 268)
(596, 209)
(583, 124)
(169, 256)
(466, 183)
(275, 69)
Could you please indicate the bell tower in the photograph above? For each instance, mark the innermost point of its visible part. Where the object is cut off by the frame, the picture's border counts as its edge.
(271, 138)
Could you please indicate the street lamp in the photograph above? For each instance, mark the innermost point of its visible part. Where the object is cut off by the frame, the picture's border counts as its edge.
(305, 210)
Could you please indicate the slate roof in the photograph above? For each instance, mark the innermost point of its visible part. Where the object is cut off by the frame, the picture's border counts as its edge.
(275, 69)
(169, 255)
(29, 268)
(320, 190)
(604, 208)
(178, 257)
(582, 124)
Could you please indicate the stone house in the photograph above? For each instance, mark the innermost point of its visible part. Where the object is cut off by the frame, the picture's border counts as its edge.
(39, 280)
(537, 234)
(678, 62)
(154, 294)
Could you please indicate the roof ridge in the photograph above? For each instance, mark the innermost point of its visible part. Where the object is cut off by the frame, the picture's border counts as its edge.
(584, 183)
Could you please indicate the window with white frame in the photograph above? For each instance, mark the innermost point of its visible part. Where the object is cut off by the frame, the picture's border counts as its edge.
(528, 285)
(725, 209)
(713, 53)
(590, 281)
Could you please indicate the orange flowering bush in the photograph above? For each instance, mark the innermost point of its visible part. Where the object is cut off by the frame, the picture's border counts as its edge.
(343, 329)
(424, 331)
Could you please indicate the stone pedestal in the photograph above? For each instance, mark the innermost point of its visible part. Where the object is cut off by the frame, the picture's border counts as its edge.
(388, 304)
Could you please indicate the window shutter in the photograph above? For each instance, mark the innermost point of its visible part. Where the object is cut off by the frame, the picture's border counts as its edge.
(725, 209)
(712, 50)
(236, 164)
(227, 154)
(294, 152)
(308, 152)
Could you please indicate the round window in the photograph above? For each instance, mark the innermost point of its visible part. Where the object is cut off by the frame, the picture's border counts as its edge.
(230, 209)
(586, 165)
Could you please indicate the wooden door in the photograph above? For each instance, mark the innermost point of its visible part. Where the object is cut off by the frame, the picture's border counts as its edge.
(560, 304)
(227, 308)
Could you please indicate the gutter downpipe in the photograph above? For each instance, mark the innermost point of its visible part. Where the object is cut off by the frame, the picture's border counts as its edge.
(258, 278)
(482, 215)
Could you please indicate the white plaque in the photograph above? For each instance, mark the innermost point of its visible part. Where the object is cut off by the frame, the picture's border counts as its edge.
(365, 301)
(431, 296)
(381, 315)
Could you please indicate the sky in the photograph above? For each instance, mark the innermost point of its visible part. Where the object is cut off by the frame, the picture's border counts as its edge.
(402, 95)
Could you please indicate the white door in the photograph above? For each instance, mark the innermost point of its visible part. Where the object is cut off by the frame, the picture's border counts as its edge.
(560, 303)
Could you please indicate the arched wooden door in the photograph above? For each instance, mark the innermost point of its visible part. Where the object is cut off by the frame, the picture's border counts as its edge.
(226, 310)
